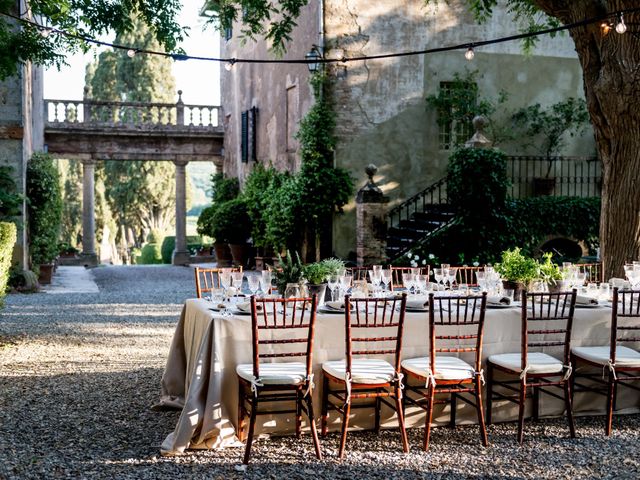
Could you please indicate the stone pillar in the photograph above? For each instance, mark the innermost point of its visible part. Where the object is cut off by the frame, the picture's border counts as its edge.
(89, 256)
(479, 140)
(371, 222)
(181, 254)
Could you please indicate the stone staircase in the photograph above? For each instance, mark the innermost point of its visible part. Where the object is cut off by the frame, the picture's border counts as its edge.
(418, 218)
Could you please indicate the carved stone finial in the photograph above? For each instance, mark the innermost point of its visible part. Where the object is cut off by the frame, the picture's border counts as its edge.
(371, 170)
(179, 96)
(478, 140)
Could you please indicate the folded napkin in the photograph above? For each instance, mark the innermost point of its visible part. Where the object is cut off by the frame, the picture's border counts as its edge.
(336, 305)
(498, 300)
(619, 283)
(418, 303)
(246, 307)
(584, 300)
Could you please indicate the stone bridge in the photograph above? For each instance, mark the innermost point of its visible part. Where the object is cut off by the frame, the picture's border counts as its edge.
(93, 131)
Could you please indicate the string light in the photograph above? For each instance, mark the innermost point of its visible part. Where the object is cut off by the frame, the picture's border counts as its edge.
(469, 54)
(621, 27)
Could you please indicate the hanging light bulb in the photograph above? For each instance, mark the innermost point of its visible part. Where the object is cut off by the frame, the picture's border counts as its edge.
(229, 65)
(605, 28)
(45, 32)
(469, 54)
(621, 27)
(131, 53)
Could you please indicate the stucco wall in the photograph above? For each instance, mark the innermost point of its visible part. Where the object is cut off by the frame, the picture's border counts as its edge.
(266, 86)
(382, 114)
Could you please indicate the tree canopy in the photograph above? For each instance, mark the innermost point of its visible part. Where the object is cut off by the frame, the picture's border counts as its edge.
(80, 19)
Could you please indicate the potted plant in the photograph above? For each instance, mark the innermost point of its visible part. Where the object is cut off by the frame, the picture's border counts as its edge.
(517, 271)
(551, 274)
(550, 126)
(65, 250)
(205, 227)
(290, 271)
(316, 275)
(231, 224)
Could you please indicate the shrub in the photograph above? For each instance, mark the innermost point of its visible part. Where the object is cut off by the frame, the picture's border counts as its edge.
(150, 254)
(10, 200)
(7, 241)
(169, 245)
(205, 221)
(224, 189)
(231, 222)
(45, 208)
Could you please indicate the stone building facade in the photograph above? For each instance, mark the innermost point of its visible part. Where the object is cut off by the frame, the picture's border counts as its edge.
(382, 116)
(21, 130)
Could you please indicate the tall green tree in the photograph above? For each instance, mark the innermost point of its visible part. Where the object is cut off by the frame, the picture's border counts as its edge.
(141, 194)
(611, 79)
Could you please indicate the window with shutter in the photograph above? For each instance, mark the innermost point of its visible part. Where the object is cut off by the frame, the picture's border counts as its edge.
(254, 135)
(244, 136)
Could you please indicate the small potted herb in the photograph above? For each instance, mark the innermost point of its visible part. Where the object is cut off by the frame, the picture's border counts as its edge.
(551, 274)
(316, 275)
(289, 271)
(517, 271)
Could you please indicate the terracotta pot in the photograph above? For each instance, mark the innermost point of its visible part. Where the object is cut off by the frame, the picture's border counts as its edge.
(46, 272)
(223, 254)
(543, 186)
(517, 288)
(239, 253)
(318, 290)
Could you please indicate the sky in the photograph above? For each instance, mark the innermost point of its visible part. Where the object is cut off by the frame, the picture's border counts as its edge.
(198, 80)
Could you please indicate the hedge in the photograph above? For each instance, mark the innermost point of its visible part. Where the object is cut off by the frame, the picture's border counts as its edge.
(194, 242)
(7, 241)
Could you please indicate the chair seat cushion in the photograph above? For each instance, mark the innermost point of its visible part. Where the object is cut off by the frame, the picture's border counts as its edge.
(537, 362)
(284, 373)
(367, 371)
(625, 357)
(447, 368)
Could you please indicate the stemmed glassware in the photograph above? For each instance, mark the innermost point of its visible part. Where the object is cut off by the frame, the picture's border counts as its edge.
(253, 282)
(438, 275)
(345, 283)
(420, 282)
(452, 277)
(265, 282)
(236, 281)
(408, 280)
(385, 276)
(375, 277)
(224, 277)
(633, 274)
(332, 283)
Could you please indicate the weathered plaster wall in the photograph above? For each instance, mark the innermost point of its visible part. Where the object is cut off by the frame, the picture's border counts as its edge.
(273, 89)
(381, 110)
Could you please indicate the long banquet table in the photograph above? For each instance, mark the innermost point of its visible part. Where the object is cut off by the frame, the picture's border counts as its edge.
(200, 377)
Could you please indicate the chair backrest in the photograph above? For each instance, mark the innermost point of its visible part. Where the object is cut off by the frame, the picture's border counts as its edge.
(396, 275)
(594, 271)
(467, 275)
(372, 325)
(547, 307)
(207, 279)
(358, 273)
(462, 319)
(625, 318)
(295, 314)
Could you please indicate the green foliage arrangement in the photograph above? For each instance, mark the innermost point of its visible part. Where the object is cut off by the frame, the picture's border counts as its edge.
(334, 266)
(516, 267)
(549, 271)
(44, 208)
(231, 222)
(260, 188)
(10, 199)
(7, 241)
(461, 102)
(150, 254)
(281, 212)
(169, 245)
(224, 189)
(291, 271)
(204, 224)
(315, 273)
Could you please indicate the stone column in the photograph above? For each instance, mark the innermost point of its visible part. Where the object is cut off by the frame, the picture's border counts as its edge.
(371, 222)
(181, 254)
(89, 256)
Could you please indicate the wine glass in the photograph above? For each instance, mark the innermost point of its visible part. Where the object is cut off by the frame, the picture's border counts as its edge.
(437, 275)
(377, 269)
(452, 277)
(345, 282)
(265, 282)
(408, 281)
(236, 281)
(374, 276)
(224, 277)
(385, 276)
(445, 276)
(253, 282)
(420, 282)
(332, 283)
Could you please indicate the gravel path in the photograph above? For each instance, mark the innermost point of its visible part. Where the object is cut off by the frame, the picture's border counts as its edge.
(79, 372)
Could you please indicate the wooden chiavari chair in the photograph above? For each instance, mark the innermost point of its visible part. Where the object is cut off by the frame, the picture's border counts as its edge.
(396, 275)
(534, 369)
(373, 328)
(261, 383)
(594, 271)
(207, 279)
(467, 275)
(623, 363)
(456, 325)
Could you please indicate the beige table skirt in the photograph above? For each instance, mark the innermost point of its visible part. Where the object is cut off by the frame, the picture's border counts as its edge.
(200, 375)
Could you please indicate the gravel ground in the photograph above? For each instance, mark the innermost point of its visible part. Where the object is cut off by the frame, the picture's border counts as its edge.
(79, 372)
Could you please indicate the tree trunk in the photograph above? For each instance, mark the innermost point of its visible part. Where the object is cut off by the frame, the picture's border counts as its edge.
(611, 75)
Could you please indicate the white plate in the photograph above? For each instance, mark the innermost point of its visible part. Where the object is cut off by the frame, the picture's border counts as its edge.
(590, 305)
(323, 309)
(237, 311)
(498, 306)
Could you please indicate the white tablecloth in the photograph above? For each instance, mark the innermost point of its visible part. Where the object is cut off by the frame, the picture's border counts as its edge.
(200, 373)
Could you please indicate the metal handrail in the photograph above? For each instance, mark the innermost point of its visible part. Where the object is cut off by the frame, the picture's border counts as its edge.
(434, 194)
